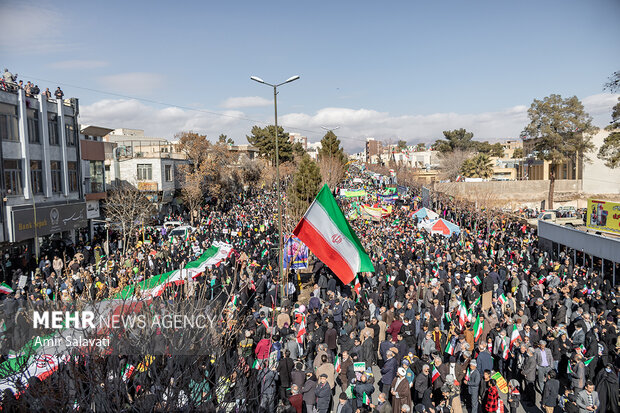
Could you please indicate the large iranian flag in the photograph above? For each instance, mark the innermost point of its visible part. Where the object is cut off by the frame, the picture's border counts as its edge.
(327, 233)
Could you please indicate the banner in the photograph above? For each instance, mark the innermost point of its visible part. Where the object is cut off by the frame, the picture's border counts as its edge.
(603, 216)
(296, 253)
(377, 212)
(347, 193)
(388, 199)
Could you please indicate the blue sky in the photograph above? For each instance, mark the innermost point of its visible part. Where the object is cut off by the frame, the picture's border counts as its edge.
(389, 70)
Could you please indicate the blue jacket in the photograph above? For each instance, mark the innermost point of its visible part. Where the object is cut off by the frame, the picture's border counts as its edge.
(485, 361)
(388, 371)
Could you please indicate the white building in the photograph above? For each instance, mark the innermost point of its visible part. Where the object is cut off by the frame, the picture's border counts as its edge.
(42, 195)
(597, 178)
(150, 164)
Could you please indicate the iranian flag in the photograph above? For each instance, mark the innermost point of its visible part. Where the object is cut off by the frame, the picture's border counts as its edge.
(467, 374)
(337, 366)
(449, 349)
(502, 299)
(514, 336)
(302, 332)
(129, 369)
(265, 323)
(505, 349)
(435, 375)
(476, 280)
(5, 289)
(478, 327)
(462, 314)
(357, 286)
(327, 233)
(588, 361)
(365, 398)
(155, 285)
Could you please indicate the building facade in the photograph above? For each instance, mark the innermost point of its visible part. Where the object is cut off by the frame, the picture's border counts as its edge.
(149, 164)
(42, 194)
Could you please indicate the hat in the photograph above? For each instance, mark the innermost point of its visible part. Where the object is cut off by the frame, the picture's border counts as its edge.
(323, 375)
(473, 363)
(402, 371)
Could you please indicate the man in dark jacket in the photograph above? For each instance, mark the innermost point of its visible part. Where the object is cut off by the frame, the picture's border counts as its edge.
(550, 392)
(285, 367)
(363, 386)
(473, 384)
(388, 371)
(323, 394)
(268, 378)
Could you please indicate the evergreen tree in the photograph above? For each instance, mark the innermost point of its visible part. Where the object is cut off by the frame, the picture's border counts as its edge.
(305, 186)
(562, 129)
(458, 139)
(610, 149)
(330, 147)
(263, 139)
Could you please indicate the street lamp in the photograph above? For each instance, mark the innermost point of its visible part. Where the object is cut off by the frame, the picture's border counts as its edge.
(275, 107)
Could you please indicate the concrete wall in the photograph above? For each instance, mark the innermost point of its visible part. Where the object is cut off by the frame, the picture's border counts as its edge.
(597, 178)
(509, 189)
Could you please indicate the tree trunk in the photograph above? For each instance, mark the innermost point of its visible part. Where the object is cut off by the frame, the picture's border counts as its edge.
(551, 185)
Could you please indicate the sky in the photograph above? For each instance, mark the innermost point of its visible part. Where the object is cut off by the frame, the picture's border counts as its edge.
(385, 70)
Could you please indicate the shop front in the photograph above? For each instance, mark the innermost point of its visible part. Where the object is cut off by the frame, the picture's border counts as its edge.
(53, 226)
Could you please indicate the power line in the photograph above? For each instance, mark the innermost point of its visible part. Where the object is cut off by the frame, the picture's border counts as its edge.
(319, 133)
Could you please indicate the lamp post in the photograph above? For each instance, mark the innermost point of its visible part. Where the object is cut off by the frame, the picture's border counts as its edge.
(277, 155)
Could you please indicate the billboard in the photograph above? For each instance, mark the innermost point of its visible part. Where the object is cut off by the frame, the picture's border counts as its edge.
(603, 216)
(49, 220)
(295, 253)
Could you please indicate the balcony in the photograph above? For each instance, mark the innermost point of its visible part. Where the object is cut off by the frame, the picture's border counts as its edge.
(94, 190)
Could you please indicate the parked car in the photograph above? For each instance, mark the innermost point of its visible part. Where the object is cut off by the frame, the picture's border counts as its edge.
(181, 231)
(552, 216)
(172, 224)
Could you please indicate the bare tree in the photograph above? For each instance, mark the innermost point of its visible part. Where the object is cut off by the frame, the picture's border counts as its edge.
(142, 368)
(192, 189)
(451, 163)
(129, 209)
(332, 170)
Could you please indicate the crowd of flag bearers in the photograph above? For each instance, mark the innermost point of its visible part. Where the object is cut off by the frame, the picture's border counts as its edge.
(480, 321)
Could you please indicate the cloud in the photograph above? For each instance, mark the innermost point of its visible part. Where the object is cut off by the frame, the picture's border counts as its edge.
(78, 64)
(140, 83)
(164, 123)
(31, 29)
(245, 102)
(355, 124)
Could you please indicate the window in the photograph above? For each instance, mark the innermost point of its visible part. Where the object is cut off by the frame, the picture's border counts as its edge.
(168, 173)
(13, 176)
(8, 123)
(52, 127)
(145, 172)
(36, 175)
(56, 176)
(73, 179)
(34, 131)
(96, 177)
(70, 132)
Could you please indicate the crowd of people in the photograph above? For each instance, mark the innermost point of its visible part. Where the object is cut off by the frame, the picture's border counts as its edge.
(9, 82)
(479, 321)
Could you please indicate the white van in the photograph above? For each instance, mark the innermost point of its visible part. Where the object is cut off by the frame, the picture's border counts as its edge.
(181, 231)
(172, 224)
